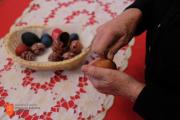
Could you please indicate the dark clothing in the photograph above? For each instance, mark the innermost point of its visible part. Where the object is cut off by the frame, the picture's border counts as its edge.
(160, 99)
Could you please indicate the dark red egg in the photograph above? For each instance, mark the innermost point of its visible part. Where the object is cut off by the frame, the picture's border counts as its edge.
(20, 49)
(56, 33)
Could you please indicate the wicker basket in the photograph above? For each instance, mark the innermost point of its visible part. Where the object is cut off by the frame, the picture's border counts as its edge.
(14, 38)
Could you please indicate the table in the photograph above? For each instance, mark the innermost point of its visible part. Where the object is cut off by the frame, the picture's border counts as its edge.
(121, 108)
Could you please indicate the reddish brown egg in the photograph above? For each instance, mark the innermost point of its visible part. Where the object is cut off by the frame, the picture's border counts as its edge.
(54, 57)
(20, 49)
(38, 48)
(104, 63)
(28, 55)
(76, 46)
(68, 55)
(58, 47)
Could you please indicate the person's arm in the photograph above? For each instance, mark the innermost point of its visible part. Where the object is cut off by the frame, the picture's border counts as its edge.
(158, 102)
(145, 6)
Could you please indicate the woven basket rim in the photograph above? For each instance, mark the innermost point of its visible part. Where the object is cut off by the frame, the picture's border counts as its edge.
(38, 63)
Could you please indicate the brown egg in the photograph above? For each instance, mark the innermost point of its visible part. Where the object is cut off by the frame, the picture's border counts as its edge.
(20, 49)
(54, 56)
(68, 55)
(104, 63)
(38, 48)
(28, 55)
(58, 47)
(76, 46)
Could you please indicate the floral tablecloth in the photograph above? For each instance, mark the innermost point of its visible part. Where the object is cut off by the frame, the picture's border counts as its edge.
(57, 95)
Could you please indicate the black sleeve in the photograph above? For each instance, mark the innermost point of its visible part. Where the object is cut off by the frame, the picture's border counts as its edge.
(146, 7)
(158, 103)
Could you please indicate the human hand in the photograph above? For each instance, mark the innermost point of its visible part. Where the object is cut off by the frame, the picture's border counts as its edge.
(113, 82)
(116, 33)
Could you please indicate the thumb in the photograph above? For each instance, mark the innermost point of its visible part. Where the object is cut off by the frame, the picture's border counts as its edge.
(93, 71)
(113, 50)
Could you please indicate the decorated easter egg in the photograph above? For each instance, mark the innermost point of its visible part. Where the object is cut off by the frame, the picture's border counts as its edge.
(105, 63)
(64, 37)
(76, 46)
(28, 55)
(57, 47)
(46, 40)
(56, 33)
(29, 38)
(38, 48)
(54, 57)
(20, 49)
(68, 55)
(74, 36)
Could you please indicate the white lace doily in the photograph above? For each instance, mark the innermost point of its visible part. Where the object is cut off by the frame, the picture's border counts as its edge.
(58, 95)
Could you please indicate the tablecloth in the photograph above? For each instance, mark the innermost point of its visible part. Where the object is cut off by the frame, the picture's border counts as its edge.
(70, 93)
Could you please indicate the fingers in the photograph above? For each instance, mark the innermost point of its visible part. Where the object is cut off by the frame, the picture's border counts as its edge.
(108, 44)
(96, 76)
(93, 71)
(101, 42)
(104, 80)
(109, 39)
(102, 74)
(96, 83)
(114, 48)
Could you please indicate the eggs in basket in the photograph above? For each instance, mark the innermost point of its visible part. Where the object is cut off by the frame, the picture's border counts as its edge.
(49, 47)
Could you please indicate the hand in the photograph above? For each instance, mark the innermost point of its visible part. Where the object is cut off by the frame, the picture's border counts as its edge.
(113, 35)
(113, 82)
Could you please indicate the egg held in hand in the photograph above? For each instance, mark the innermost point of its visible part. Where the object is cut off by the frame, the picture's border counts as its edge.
(104, 63)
